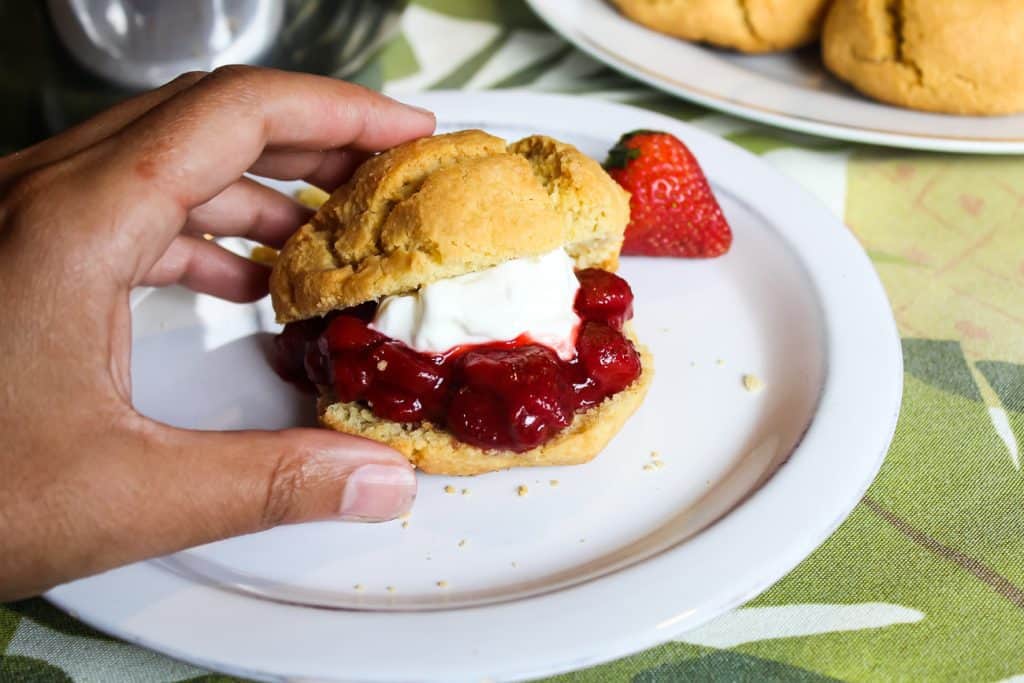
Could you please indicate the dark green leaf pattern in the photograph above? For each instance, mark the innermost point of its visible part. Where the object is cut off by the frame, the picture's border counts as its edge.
(42, 612)
(529, 74)
(1007, 380)
(9, 620)
(465, 72)
(728, 667)
(941, 364)
(511, 13)
(17, 669)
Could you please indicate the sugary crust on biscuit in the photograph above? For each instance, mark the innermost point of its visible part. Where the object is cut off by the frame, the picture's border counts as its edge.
(443, 206)
(954, 56)
(746, 25)
(434, 450)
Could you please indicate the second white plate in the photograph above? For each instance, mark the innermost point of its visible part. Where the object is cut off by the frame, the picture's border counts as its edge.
(791, 90)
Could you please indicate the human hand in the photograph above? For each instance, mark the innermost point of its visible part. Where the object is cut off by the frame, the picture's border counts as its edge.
(86, 483)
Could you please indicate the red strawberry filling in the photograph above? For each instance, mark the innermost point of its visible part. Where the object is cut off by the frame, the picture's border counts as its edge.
(509, 396)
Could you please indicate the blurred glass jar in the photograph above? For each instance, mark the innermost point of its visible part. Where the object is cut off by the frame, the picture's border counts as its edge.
(145, 43)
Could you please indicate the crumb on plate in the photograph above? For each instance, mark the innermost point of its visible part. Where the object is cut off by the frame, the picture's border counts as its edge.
(752, 383)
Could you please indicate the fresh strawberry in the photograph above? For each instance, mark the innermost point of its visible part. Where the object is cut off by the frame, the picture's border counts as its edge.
(672, 211)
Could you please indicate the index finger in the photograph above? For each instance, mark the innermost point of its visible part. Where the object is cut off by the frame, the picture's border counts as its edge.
(186, 150)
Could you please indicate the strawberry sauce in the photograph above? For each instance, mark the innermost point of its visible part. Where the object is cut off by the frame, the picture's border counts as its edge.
(508, 395)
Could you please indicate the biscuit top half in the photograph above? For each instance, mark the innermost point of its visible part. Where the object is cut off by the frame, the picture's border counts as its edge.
(443, 206)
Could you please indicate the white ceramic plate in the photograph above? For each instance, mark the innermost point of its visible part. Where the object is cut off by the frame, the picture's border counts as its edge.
(616, 557)
(791, 90)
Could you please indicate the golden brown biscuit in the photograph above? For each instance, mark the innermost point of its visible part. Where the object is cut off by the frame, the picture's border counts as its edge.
(953, 56)
(444, 206)
(434, 450)
(746, 25)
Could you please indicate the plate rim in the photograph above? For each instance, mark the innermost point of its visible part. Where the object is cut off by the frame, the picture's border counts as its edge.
(660, 621)
(758, 114)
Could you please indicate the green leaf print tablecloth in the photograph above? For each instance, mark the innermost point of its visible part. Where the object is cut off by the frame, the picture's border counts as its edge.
(925, 580)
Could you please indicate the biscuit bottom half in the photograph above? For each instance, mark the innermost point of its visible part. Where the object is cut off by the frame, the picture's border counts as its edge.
(434, 450)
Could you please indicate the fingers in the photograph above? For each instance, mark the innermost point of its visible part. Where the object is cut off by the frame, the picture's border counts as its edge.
(90, 132)
(247, 208)
(324, 169)
(218, 129)
(204, 266)
(234, 483)
(187, 150)
(156, 490)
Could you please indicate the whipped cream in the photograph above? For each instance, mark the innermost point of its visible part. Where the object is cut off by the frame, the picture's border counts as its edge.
(530, 297)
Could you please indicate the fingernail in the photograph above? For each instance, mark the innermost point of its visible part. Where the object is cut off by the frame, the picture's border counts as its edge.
(422, 110)
(376, 493)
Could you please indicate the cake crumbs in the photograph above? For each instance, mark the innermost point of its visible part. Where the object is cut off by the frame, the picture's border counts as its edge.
(311, 197)
(389, 589)
(583, 540)
(404, 516)
(522, 490)
(514, 564)
(462, 542)
(465, 492)
(655, 455)
(405, 525)
(649, 467)
(752, 383)
(449, 489)
(442, 584)
(266, 256)
(658, 464)
(358, 588)
(720, 363)
(554, 483)
(382, 365)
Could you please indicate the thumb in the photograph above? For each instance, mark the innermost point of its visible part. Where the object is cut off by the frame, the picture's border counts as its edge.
(151, 490)
(220, 484)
